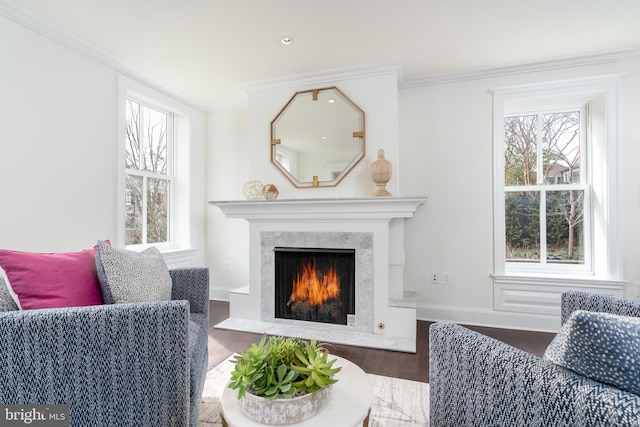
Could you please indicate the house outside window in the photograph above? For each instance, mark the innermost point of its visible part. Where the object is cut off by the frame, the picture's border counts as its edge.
(149, 174)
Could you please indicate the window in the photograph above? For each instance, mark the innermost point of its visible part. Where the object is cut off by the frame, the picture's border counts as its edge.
(546, 188)
(149, 174)
(556, 183)
(161, 165)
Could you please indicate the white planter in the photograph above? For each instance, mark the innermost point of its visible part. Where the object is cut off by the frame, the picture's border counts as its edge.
(283, 411)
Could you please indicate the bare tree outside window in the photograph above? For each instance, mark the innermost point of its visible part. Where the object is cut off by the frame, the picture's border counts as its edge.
(544, 202)
(148, 176)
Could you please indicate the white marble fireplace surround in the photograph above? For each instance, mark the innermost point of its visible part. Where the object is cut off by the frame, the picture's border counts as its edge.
(361, 242)
(385, 314)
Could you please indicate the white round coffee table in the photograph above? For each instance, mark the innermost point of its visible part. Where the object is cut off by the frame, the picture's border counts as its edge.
(348, 406)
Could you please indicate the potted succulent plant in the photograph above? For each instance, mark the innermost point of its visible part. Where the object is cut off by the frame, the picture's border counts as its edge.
(283, 380)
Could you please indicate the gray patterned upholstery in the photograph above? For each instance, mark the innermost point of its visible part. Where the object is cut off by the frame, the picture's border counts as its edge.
(140, 364)
(6, 302)
(578, 300)
(194, 287)
(476, 380)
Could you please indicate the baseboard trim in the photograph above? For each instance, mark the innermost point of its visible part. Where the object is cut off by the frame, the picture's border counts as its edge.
(489, 318)
(464, 315)
(219, 294)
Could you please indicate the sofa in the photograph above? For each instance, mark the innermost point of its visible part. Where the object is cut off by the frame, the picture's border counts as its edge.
(479, 381)
(129, 364)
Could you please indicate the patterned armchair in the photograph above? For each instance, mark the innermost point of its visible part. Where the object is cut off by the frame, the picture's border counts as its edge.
(140, 364)
(479, 381)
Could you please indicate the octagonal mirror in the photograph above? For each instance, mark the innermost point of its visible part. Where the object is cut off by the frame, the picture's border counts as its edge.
(317, 138)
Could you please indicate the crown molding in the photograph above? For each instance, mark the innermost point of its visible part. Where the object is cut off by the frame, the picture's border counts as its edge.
(554, 64)
(397, 68)
(402, 71)
(24, 17)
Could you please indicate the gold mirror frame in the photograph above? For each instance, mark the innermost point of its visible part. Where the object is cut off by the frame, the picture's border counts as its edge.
(318, 137)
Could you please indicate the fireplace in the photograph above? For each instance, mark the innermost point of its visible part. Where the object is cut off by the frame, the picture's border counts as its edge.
(385, 312)
(315, 284)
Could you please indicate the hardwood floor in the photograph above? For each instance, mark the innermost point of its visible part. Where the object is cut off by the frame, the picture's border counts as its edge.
(410, 366)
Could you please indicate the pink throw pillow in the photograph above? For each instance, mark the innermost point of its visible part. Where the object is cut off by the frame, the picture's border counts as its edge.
(53, 280)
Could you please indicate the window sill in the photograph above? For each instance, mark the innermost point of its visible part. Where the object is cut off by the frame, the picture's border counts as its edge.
(540, 294)
(179, 258)
(174, 257)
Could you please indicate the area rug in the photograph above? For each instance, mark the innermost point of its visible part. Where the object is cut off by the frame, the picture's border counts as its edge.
(396, 402)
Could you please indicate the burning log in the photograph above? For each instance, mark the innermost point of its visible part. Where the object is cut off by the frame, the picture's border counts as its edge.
(299, 310)
(329, 311)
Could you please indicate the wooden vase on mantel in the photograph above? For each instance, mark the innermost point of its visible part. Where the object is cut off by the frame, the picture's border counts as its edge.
(381, 174)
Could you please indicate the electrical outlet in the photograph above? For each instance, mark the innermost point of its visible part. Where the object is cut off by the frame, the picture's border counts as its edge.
(435, 277)
(227, 265)
(446, 277)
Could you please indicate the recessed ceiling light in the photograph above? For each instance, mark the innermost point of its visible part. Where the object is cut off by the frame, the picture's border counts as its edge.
(331, 101)
(286, 40)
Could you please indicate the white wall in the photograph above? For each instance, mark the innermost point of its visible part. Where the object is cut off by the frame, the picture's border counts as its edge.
(630, 176)
(58, 147)
(444, 151)
(227, 240)
(58, 132)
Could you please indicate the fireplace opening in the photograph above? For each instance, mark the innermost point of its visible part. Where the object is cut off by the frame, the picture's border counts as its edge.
(315, 284)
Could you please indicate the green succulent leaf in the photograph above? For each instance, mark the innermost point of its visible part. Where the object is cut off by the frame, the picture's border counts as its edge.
(282, 367)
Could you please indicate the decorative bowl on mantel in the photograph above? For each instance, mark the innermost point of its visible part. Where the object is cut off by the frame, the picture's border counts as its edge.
(281, 381)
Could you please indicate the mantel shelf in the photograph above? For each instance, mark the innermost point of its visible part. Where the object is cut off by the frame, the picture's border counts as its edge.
(370, 208)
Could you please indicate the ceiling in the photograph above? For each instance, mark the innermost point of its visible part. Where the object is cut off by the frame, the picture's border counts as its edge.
(208, 51)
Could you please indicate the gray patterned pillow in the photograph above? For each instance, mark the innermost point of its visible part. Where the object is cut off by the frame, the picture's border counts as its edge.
(601, 346)
(6, 302)
(128, 276)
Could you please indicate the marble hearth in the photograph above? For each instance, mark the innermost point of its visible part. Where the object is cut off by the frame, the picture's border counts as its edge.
(385, 314)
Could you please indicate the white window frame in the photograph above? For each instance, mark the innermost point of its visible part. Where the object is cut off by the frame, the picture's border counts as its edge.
(145, 175)
(180, 212)
(543, 267)
(526, 289)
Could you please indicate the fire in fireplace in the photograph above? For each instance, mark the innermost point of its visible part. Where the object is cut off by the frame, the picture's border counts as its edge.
(315, 284)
